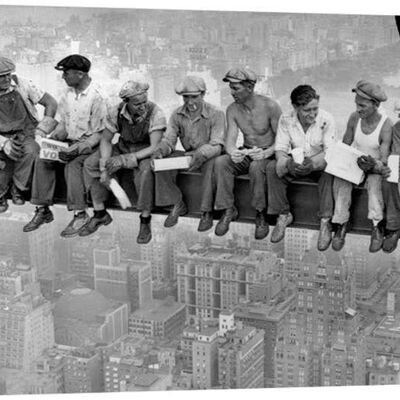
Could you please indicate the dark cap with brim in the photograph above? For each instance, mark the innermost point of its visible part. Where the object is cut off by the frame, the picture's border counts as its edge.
(74, 61)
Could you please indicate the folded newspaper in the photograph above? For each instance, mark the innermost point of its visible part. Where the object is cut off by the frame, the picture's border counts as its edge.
(393, 164)
(170, 163)
(342, 162)
(120, 194)
(49, 149)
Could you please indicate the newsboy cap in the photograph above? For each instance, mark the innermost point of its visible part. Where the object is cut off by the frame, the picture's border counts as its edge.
(370, 91)
(132, 88)
(191, 85)
(237, 75)
(6, 66)
(74, 61)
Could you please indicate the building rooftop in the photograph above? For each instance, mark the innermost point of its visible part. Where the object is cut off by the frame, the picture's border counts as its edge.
(84, 304)
(388, 327)
(157, 310)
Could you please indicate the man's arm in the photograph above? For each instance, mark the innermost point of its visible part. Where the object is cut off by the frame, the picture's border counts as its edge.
(232, 130)
(155, 139)
(168, 143)
(50, 105)
(274, 122)
(348, 136)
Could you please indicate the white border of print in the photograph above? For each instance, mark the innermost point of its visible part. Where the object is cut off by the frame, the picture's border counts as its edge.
(382, 7)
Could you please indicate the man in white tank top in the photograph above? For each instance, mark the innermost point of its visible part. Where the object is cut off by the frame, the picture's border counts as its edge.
(369, 131)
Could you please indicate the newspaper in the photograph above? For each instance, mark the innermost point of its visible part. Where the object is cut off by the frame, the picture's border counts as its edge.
(49, 149)
(393, 164)
(342, 162)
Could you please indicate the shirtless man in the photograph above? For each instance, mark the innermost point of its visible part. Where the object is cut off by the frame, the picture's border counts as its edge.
(257, 118)
(369, 131)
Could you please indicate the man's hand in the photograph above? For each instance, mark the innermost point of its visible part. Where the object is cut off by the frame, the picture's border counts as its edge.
(13, 149)
(256, 153)
(105, 178)
(69, 154)
(385, 171)
(237, 156)
(157, 154)
(198, 159)
(292, 166)
(366, 163)
(306, 168)
(113, 164)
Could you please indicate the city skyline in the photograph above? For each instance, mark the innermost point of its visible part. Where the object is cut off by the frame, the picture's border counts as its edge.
(192, 310)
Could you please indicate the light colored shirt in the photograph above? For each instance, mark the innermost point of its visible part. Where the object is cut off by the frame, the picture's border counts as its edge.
(206, 132)
(84, 113)
(30, 93)
(158, 121)
(319, 136)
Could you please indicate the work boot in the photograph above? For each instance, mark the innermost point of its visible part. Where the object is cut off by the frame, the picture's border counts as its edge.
(95, 223)
(72, 229)
(43, 215)
(390, 241)
(339, 237)
(376, 239)
(282, 222)
(262, 227)
(206, 221)
(3, 204)
(177, 211)
(325, 234)
(144, 235)
(17, 196)
(229, 215)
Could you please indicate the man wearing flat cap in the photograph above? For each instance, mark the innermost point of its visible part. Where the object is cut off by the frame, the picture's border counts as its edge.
(140, 124)
(82, 111)
(200, 126)
(391, 194)
(19, 124)
(257, 118)
(369, 131)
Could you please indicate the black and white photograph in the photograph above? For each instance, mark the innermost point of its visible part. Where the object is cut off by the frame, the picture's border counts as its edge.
(191, 199)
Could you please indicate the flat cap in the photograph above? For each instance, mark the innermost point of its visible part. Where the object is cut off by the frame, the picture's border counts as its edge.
(6, 66)
(237, 75)
(74, 61)
(370, 91)
(132, 88)
(191, 85)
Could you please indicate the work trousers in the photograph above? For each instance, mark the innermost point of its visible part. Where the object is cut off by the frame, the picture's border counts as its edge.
(19, 172)
(44, 183)
(226, 171)
(278, 202)
(391, 199)
(142, 176)
(168, 192)
(342, 195)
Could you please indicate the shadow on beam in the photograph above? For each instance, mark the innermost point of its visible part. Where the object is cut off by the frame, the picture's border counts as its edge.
(303, 197)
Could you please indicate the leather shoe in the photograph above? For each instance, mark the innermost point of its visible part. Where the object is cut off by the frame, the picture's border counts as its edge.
(144, 235)
(376, 239)
(325, 235)
(95, 223)
(206, 221)
(390, 241)
(17, 196)
(262, 227)
(43, 215)
(3, 204)
(282, 222)
(177, 211)
(229, 215)
(339, 237)
(72, 229)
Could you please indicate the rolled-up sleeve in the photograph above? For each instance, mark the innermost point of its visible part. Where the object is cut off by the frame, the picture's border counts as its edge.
(282, 140)
(158, 122)
(111, 121)
(171, 135)
(98, 114)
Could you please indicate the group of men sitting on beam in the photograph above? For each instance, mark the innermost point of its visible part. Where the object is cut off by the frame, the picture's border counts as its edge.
(121, 141)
